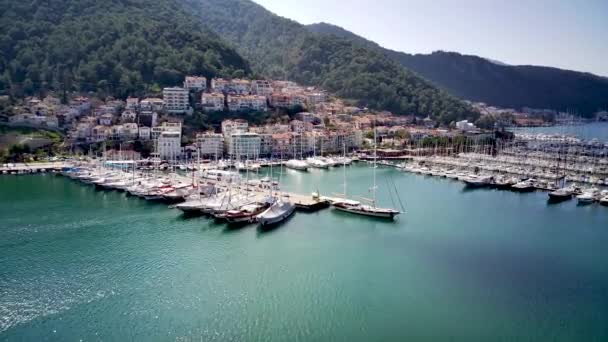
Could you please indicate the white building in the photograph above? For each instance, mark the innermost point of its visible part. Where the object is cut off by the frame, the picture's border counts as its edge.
(175, 127)
(233, 126)
(213, 102)
(261, 87)
(249, 102)
(235, 86)
(169, 145)
(465, 126)
(151, 104)
(210, 144)
(177, 100)
(196, 83)
(243, 145)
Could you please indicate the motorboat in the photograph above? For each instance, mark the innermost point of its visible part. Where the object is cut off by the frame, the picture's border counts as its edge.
(588, 196)
(562, 194)
(524, 186)
(317, 163)
(478, 181)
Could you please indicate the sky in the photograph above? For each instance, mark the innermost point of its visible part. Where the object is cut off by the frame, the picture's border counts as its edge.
(564, 34)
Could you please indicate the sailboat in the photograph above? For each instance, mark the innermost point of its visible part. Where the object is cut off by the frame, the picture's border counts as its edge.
(367, 209)
(278, 211)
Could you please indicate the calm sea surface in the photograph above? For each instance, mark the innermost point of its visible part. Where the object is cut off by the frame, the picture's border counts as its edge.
(483, 265)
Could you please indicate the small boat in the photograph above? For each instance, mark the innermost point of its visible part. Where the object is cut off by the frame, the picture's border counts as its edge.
(504, 183)
(278, 212)
(295, 164)
(604, 201)
(562, 194)
(525, 186)
(588, 196)
(478, 181)
(317, 163)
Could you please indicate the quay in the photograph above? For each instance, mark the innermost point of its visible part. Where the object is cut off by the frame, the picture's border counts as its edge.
(23, 168)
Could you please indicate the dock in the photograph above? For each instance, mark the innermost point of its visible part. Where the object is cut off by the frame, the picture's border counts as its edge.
(24, 168)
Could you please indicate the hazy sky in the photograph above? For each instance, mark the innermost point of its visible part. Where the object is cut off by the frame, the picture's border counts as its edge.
(565, 34)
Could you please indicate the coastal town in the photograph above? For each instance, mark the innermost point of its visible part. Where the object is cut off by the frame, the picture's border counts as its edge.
(300, 121)
(246, 124)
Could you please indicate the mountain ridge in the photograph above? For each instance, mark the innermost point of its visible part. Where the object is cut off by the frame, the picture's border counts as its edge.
(282, 48)
(479, 79)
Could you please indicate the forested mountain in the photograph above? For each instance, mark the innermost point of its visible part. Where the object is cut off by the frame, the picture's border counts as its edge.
(115, 47)
(279, 47)
(478, 79)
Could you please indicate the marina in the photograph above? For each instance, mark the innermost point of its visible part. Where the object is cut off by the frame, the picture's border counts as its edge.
(116, 258)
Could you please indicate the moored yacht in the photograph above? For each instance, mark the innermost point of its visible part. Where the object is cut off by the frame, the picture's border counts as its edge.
(366, 210)
(247, 213)
(296, 164)
(278, 212)
(524, 186)
(317, 163)
(562, 194)
(588, 196)
(478, 181)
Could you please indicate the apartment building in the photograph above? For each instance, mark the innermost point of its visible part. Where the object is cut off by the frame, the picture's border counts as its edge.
(195, 83)
(244, 145)
(210, 145)
(169, 145)
(213, 102)
(166, 127)
(177, 100)
(246, 102)
(261, 88)
(235, 86)
(233, 126)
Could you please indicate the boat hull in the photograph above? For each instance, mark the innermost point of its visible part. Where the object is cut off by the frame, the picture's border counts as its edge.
(382, 215)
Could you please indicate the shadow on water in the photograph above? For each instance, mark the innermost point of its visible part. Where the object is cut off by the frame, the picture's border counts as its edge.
(268, 229)
(555, 201)
(190, 216)
(231, 228)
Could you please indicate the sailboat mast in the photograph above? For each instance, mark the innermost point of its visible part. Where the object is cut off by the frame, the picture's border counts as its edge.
(374, 169)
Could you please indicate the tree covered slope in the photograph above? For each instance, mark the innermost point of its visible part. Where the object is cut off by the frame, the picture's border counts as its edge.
(116, 47)
(278, 47)
(479, 79)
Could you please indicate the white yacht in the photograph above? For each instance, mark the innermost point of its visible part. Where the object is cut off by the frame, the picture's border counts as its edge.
(317, 163)
(588, 196)
(296, 164)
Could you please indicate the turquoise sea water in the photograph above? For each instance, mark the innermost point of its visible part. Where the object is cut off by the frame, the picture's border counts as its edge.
(483, 265)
